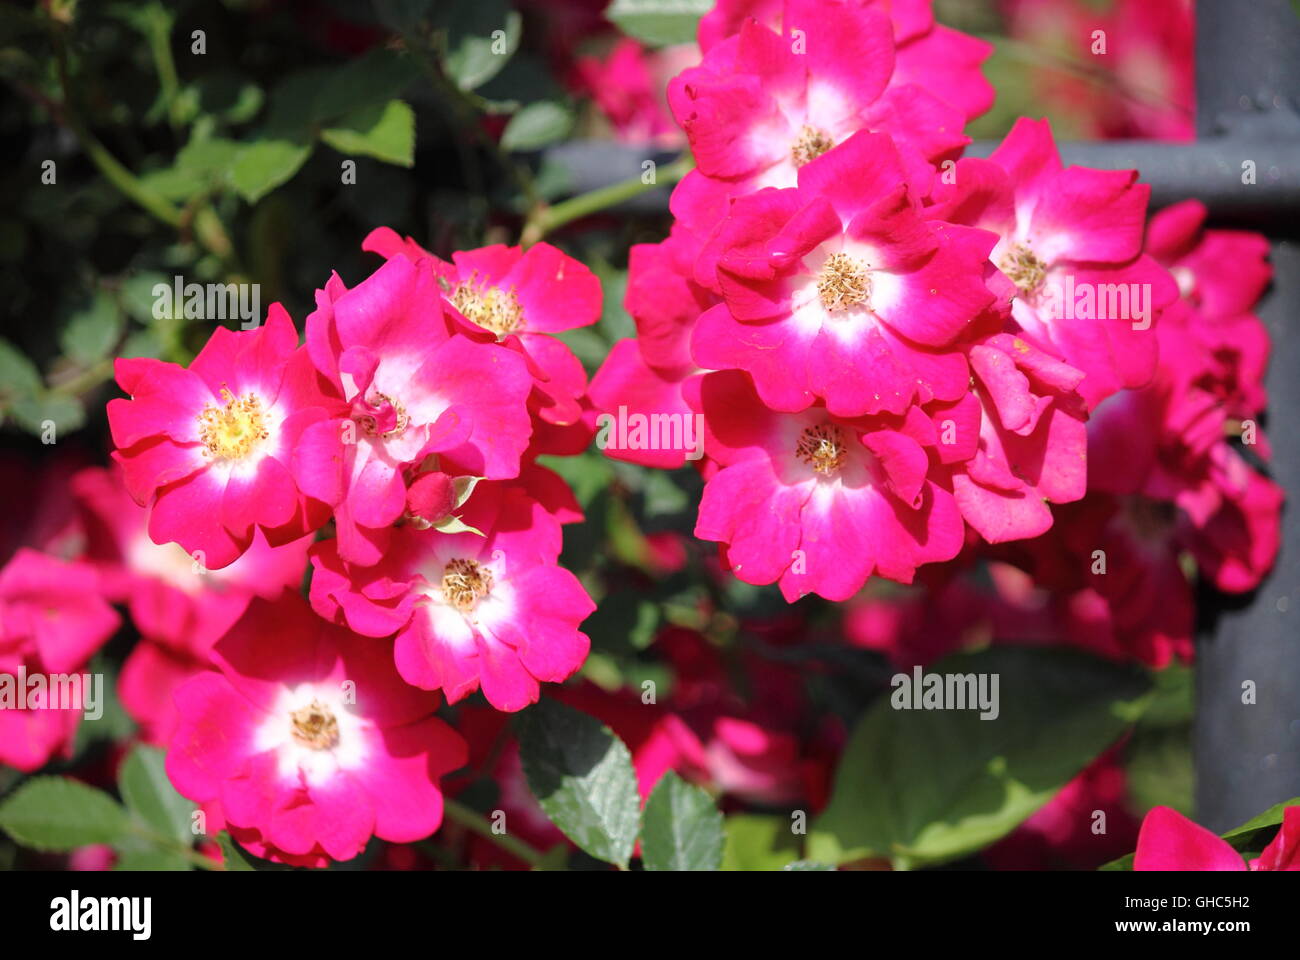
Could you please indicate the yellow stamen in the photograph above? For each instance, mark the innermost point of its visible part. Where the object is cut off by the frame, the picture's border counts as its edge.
(232, 431)
(315, 726)
(464, 583)
(1023, 268)
(822, 448)
(844, 282)
(491, 308)
(810, 145)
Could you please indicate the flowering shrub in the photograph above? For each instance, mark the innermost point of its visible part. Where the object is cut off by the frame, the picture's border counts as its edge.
(473, 564)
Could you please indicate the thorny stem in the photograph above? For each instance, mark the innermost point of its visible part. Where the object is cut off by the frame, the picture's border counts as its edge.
(1035, 56)
(464, 107)
(200, 860)
(209, 230)
(159, 30)
(472, 820)
(545, 219)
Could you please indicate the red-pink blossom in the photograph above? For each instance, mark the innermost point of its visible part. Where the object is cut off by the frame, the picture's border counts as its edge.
(412, 387)
(171, 598)
(839, 290)
(52, 619)
(1018, 441)
(767, 99)
(942, 60)
(313, 741)
(820, 503)
(645, 376)
(628, 86)
(1070, 244)
(520, 299)
(487, 609)
(208, 448)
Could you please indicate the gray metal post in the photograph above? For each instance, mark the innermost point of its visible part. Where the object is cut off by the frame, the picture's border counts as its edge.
(1248, 756)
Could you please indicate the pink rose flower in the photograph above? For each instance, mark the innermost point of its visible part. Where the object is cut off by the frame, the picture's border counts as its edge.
(313, 741)
(208, 449)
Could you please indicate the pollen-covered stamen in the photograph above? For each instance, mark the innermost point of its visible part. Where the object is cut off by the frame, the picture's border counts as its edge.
(315, 726)
(809, 145)
(465, 583)
(843, 282)
(1023, 268)
(490, 307)
(823, 448)
(232, 431)
(381, 416)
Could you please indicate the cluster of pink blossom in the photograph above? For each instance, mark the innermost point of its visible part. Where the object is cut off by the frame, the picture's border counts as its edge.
(896, 362)
(899, 354)
(408, 424)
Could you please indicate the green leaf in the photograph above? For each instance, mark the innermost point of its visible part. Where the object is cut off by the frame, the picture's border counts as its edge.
(482, 35)
(758, 842)
(582, 776)
(113, 723)
(209, 157)
(265, 164)
(18, 375)
(173, 183)
(1158, 769)
(1245, 837)
(143, 853)
(228, 95)
(536, 125)
(383, 131)
(33, 413)
(370, 81)
(588, 474)
(149, 794)
(59, 814)
(658, 22)
(681, 828)
(296, 106)
(924, 786)
(137, 294)
(93, 329)
(233, 855)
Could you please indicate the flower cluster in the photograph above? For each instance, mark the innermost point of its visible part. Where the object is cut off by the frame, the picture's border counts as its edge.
(892, 348)
(407, 425)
